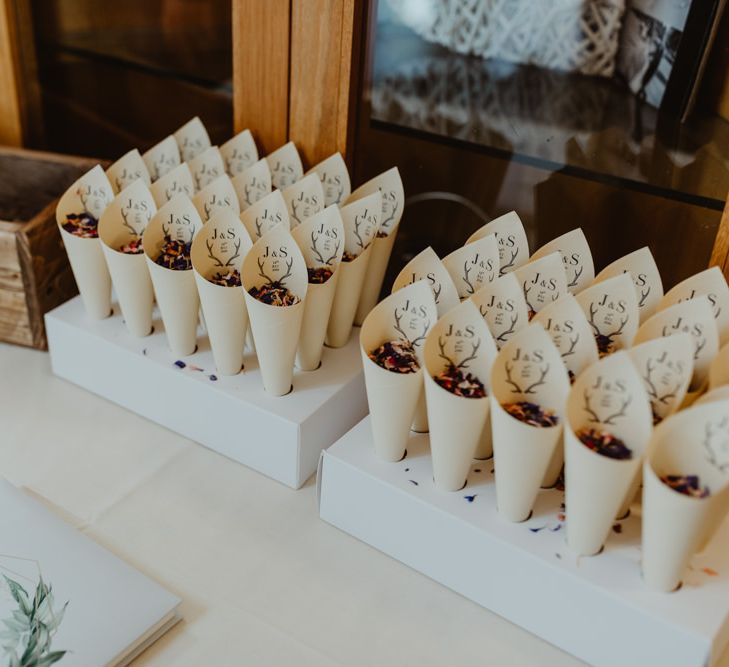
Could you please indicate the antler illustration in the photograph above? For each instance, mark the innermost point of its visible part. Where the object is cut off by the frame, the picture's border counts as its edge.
(436, 292)
(398, 327)
(542, 374)
(294, 212)
(317, 253)
(466, 271)
(510, 263)
(418, 339)
(236, 255)
(526, 297)
(578, 273)
(507, 332)
(605, 339)
(261, 273)
(289, 270)
(464, 362)
(209, 246)
(700, 346)
(357, 224)
(711, 454)
(391, 217)
(609, 420)
(340, 192)
(573, 345)
(259, 227)
(207, 209)
(510, 367)
(125, 218)
(644, 296)
(651, 388)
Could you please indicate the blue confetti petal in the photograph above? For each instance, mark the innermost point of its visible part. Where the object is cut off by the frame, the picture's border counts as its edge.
(213, 378)
(536, 530)
(180, 364)
(470, 499)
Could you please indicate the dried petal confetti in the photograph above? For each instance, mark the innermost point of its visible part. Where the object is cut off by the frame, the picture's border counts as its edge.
(459, 383)
(319, 275)
(531, 413)
(571, 376)
(689, 485)
(348, 256)
(274, 294)
(604, 443)
(397, 356)
(82, 224)
(657, 419)
(604, 345)
(531, 314)
(174, 255)
(381, 235)
(229, 279)
(134, 247)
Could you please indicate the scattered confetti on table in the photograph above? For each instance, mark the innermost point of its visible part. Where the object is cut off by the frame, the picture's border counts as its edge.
(604, 443)
(459, 383)
(82, 224)
(397, 356)
(689, 485)
(274, 294)
(531, 413)
(319, 275)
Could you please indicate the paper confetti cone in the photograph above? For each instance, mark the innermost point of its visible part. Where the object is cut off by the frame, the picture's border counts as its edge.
(405, 317)
(459, 352)
(303, 199)
(647, 280)
(218, 251)
(502, 305)
(285, 165)
(576, 257)
(275, 261)
(611, 308)
(527, 371)
(192, 139)
(175, 290)
(688, 456)
(86, 200)
(543, 281)
(389, 184)
(474, 265)
(360, 221)
(321, 241)
(334, 177)
(127, 169)
(606, 402)
(239, 153)
(265, 214)
(216, 195)
(719, 368)
(121, 226)
(512, 240)
(206, 167)
(252, 184)
(177, 181)
(162, 158)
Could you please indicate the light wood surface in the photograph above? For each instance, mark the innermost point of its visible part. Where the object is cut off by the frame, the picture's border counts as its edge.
(720, 252)
(261, 70)
(11, 102)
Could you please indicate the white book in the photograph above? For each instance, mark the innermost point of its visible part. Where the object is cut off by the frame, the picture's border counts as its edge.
(66, 601)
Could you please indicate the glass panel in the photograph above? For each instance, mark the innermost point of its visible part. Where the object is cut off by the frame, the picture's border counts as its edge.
(115, 76)
(567, 112)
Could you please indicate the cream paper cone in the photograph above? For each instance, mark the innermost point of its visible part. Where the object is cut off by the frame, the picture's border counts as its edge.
(527, 368)
(177, 181)
(719, 368)
(221, 245)
(611, 308)
(162, 158)
(710, 283)
(334, 177)
(389, 184)
(666, 366)
(303, 199)
(576, 256)
(607, 396)
(265, 214)
(285, 165)
(321, 241)
(485, 446)
(426, 265)
(542, 280)
(460, 339)
(252, 184)
(713, 395)
(205, 167)
(192, 139)
(175, 291)
(646, 278)
(501, 303)
(215, 196)
(405, 315)
(239, 153)
(275, 258)
(123, 221)
(675, 525)
(474, 265)
(695, 317)
(127, 169)
(91, 194)
(570, 331)
(512, 240)
(360, 220)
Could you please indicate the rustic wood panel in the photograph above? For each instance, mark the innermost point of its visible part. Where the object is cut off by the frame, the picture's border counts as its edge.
(11, 99)
(261, 70)
(720, 251)
(324, 47)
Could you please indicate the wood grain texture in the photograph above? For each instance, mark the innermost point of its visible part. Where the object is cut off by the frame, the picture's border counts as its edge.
(11, 95)
(720, 251)
(324, 48)
(261, 70)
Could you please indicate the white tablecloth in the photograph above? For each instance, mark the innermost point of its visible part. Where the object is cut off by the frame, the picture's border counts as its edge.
(264, 581)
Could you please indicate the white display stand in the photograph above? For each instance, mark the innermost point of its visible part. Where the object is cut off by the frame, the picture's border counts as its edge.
(596, 608)
(280, 437)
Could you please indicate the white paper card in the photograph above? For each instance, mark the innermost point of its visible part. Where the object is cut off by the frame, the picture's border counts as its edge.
(512, 238)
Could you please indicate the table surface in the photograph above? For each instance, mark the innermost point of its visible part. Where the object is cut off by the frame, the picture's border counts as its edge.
(263, 580)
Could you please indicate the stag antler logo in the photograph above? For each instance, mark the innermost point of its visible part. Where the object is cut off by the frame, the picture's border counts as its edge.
(507, 264)
(389, 202)
(605, 341)
(463, 363)
(650, 385)
(716, 444)
(609, 419)
(578, 272)
(269, 279)
(398, 314)
(530, 388)
(217, 260)
(467, 267)
(317, 252)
